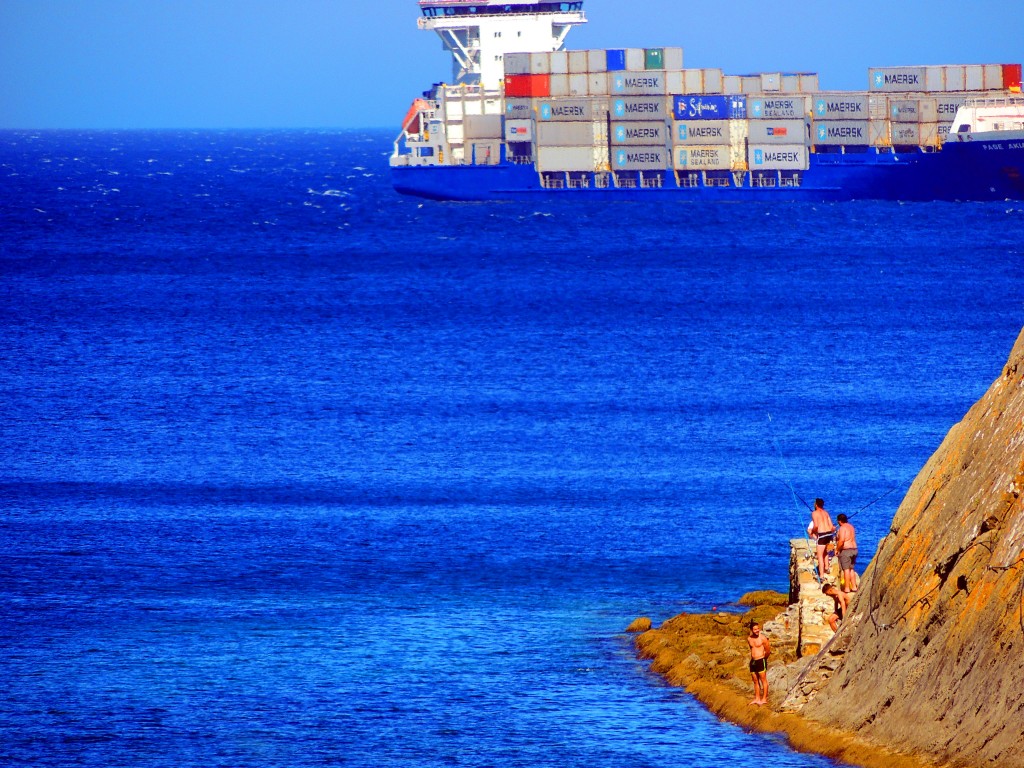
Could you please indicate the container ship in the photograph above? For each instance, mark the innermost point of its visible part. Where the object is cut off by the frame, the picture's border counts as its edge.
(524, 117)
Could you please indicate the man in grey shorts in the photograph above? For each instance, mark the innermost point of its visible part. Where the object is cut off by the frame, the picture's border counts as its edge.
(846, 546)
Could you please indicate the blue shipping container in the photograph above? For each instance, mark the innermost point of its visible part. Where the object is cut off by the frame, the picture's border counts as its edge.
(616, 60)
(702, 107)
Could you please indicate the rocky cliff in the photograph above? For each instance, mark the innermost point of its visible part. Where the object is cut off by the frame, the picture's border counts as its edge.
(931, 658)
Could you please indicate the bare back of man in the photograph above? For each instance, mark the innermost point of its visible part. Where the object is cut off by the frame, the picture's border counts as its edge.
(760, 649)
(823, 532)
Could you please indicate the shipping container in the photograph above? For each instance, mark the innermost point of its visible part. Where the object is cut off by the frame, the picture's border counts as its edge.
(699, 81)
(527, 86)
(771, 82)
(1012, 77)
(571, 110)
(636, 59)
(923, 110)
(569, 85)
(518, 109)
(790, 83)
(776, 107)
(673, 58)
(853, 133)
(974, 78)
(572, 134)
(701, 132)
(559, 86)
(540, 63)
(615, 60)
(597, 61)
(483, 126)
(519, 130)
(809, 82)
(777, 157)
(634, 134)
(909, 134)
(517, 63)
(993, 77)
(713, 80)
(841, 106)
(708, 107)
(675, 82)
(568, 159)
(654, 58)
(597, 83)
(637, 83)
(579, 62)
(485, 152)
(750, 84)
(559, 62)
(895, 79)
(954, 79)
(947, 105)
(732, 85)
(652, 158)
(639, 108)
(703, 158)
(788, 131)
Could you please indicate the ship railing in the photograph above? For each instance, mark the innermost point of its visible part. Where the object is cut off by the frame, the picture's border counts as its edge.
(653, 180)
(550, 180)
(995, 101)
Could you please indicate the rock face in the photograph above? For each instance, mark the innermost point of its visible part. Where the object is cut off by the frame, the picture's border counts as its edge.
(932, 655)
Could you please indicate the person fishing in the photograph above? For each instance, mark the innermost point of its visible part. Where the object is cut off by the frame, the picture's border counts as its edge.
(823, 531)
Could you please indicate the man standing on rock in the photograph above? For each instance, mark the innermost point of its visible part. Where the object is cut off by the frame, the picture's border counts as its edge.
(823, 531)
(846, 547)
(760, 648)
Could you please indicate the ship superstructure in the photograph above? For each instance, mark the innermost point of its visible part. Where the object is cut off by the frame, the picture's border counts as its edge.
(525, 117)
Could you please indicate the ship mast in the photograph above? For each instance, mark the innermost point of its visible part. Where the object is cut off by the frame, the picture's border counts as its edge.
(478, 33)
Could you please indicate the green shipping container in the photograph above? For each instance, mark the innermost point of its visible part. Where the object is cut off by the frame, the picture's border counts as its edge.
(654, 58)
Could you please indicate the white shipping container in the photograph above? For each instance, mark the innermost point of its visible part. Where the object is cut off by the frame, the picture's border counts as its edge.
(647, 83)
(636, 59)
(454, 133)
(597, 84)
(519, 130)
(579, 62)
(732, 85)
(776, 107)
(854, 133)
(579, 85)
(634, 134)
(674, 81)
(777, 157)
(540, 63)
(955, 79)
(770, 82)
(897, 79)
(779, 131)
(652, 158)
(702, 158)
(518, 108)
(913, 110)
(673, 58)
(571, 110)
(517, 63)
(701, 132)
(713, 80)
(571, 134)
(790, 84)
(993, 77)
(921, 134)
(946, 105)
(639, 108)
(597, 60)
(585, 159)
(559, 62)
(560, 86)
(841, 106)
(483, 127)
(974, 78)
(809, 82)
(750, 84)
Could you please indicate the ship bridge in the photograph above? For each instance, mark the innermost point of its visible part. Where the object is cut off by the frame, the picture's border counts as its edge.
(479, 33)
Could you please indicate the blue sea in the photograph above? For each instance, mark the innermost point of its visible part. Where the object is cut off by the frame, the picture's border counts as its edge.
(297, 472)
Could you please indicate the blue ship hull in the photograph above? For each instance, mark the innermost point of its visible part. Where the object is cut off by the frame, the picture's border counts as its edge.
(978, 170)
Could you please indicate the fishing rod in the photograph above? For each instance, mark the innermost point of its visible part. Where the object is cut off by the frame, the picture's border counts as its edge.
(792, 490)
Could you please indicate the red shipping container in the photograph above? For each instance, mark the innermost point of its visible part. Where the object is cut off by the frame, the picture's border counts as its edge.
(528, 86)
(1011, 77)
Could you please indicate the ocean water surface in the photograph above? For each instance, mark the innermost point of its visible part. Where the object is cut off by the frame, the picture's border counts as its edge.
(297, 472)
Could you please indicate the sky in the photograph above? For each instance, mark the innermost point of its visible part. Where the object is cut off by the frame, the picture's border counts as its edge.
(139, 64)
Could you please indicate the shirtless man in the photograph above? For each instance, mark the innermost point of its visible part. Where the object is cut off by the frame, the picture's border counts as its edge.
(846, 547)
(841, 602)
(823, 531)
(760, 648)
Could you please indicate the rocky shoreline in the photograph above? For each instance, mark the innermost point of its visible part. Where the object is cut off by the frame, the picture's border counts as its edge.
(927, 669)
